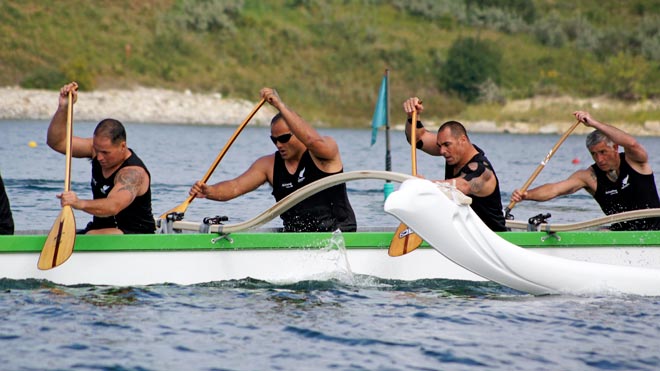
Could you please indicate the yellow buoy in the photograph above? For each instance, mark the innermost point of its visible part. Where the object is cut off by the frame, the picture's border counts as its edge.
(32, 144)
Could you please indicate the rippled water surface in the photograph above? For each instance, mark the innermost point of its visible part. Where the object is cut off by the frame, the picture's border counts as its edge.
(347, 323)
(363, 324)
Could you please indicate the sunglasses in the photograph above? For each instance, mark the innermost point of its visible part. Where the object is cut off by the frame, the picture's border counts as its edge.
(282, 138)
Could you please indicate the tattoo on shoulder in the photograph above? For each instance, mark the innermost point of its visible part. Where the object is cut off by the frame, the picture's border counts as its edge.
(477, 183)
(130, 180)
(488, 173)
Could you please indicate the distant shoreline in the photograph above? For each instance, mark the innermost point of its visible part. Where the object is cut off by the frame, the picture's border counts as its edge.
(150, 105)
(144, 105)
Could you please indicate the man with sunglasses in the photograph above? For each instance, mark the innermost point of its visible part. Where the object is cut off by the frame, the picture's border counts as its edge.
(302, 157)
(466, 165)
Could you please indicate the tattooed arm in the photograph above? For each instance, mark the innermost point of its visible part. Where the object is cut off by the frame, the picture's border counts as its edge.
(130, 182)
(481, 185)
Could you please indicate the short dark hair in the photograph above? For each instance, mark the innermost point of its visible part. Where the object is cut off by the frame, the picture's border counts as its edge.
(276, 118)
(457, 129)
(112, 129)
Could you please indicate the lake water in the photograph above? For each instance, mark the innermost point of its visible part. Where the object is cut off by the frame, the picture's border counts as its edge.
(354, 323)
(177, 155)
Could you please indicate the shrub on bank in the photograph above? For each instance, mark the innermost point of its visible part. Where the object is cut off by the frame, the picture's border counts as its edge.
(470, 63)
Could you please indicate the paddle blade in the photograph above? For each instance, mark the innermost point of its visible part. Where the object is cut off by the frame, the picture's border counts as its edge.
(404, 241)
(179, 209)
(59, 243)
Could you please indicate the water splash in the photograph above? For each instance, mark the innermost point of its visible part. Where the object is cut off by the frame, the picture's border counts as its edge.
(332, 259)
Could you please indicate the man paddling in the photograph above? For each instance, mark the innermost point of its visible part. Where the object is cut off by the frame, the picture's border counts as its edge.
(302, 157)
(121, 183)
(6, 219)
(466, 164)
(618, 181)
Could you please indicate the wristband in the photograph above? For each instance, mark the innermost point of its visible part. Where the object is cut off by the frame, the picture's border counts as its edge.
(419, 123)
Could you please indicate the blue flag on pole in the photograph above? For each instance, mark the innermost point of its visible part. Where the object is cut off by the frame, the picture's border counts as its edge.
(380, 113)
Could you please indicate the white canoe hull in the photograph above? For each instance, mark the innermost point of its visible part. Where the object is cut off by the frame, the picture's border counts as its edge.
(192, 267)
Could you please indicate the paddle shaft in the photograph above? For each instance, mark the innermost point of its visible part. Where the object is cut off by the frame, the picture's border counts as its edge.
(59, 243)
(413, 142)
(69, 139)
(542, 164)
(405, 240)
(184, 205)
(231, 140)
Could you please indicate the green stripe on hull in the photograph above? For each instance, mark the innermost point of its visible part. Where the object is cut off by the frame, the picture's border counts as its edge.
(583, 239)
(274, 240)
(187, 241)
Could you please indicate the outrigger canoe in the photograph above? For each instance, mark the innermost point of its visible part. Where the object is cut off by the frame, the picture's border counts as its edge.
(185, 252)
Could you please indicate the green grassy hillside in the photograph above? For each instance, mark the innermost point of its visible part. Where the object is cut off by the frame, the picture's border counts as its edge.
(326, 58)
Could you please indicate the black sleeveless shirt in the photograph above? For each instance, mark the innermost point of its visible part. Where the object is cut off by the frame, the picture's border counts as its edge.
(488, 208)
(325, 211)
(631, 191)
(6, 218)
(136, 217)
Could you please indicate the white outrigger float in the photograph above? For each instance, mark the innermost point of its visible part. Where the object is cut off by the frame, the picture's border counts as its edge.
(191, 252)
(442, 217)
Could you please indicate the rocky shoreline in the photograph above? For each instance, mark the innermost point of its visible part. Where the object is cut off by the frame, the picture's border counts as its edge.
(649, 128)
(137, 105)
(149, 105)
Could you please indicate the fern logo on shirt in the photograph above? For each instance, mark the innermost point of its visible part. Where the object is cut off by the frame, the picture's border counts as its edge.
(624, 183)
(301, 176)
(105, 189)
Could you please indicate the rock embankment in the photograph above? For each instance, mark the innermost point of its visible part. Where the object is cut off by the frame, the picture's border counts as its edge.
(151, 105)
(565, 104)
(649, 128)
(136, 105)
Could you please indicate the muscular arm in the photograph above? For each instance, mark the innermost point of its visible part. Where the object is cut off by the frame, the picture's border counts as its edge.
(130, 182)
(580, 179)
(427, 138)
(260, 172)
(481, 186)
(56, 136)
(322, 148)
(635, 152)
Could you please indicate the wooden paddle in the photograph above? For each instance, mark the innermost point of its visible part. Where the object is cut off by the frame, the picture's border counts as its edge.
(507, 210)
(404, 239)
(62, 236)
(184, 205)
